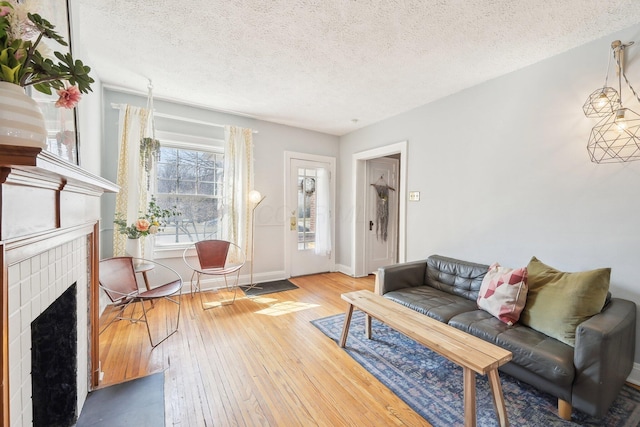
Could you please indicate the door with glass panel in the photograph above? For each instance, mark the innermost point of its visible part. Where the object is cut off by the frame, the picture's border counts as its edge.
(310, 226)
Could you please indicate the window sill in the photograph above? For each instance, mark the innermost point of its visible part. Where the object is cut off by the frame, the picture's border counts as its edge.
(172, 252)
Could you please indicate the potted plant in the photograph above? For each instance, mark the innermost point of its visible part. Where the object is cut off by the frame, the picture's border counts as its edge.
(26, 61)
(150, 222)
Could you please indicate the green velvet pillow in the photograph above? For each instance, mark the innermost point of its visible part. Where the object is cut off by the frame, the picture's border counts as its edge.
(558, 302)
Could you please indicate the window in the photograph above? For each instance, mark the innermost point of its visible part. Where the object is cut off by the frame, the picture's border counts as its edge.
(306, 209)
(191, 180)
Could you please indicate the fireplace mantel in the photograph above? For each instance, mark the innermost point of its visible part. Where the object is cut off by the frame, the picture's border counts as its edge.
(45, 202)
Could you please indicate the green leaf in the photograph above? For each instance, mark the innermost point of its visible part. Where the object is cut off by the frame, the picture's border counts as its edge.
(46, 28)
(43, 87)
(10, 74)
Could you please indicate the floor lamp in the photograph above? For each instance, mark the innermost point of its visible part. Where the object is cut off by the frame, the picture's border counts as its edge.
(255, 198)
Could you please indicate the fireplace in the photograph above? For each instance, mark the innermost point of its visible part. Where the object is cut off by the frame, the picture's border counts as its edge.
(54, 362)
(48, 250)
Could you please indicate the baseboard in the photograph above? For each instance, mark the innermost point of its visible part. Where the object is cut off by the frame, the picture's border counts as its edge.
(344, 269)
(634, 377)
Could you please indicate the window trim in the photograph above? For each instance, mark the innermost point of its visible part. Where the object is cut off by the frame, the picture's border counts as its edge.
(182, 142)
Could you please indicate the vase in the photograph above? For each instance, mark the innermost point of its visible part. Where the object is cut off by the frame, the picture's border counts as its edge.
(133, 248)
(21, 121)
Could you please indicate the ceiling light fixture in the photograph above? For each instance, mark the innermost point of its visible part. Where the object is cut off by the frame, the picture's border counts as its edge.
(616, 138)
(603, 101)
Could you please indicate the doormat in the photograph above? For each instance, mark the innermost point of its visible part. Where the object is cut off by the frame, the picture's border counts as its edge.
(138, 402)
(433, 387)
(268, 288)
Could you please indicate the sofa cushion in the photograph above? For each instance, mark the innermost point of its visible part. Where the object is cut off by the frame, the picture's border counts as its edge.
(437, 304)
(504, 292)
(454, 276)
(558, 302)
(532, 350)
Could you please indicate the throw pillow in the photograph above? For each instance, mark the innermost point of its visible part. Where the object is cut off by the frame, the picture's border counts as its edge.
(503, 293)
(558, 301)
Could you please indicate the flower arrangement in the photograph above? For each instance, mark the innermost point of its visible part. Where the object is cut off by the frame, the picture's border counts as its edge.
(150, 222)
(26, 61)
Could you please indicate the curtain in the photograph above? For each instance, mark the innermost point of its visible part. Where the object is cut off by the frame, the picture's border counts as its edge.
(323, 213)
(132, 178)
(238, 182)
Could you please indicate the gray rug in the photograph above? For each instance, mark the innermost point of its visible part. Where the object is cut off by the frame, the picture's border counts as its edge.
(432, 385)
(269, 288)
(138, 402)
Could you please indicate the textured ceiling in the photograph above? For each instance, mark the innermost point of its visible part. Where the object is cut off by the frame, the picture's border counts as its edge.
(319, 64)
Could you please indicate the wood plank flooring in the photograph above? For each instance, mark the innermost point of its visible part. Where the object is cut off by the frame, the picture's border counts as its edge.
(241, 365)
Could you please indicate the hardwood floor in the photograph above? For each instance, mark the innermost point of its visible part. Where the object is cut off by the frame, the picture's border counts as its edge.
(237, 366)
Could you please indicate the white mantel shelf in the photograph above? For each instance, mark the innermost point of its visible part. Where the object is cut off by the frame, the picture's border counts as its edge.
(41, 192)
(44, 202)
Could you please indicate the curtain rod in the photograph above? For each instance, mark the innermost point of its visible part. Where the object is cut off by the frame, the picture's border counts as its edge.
(180, 118)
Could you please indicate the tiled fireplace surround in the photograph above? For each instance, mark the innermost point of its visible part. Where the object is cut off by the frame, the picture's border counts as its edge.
(34, 284)
(48, 241)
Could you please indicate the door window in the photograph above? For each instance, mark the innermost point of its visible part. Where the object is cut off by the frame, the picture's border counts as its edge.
(306, 209)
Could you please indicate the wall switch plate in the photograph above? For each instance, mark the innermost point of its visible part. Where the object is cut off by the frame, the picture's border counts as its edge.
(414, 196)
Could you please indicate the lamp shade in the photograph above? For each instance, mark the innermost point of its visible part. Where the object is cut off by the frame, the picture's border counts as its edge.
(255, 196)
(602, 102)
(616, 138)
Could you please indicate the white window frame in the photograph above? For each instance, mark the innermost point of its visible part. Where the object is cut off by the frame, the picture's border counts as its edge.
(183, 142)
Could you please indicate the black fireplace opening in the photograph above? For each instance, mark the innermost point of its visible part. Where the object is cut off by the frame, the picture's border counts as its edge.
(54, 363)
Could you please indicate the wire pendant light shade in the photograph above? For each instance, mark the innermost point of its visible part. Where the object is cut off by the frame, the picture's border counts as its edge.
(601, 103)
(616, 138)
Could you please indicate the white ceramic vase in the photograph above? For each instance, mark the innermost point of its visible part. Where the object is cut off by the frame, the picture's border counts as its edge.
(21, 121)
(133, 248)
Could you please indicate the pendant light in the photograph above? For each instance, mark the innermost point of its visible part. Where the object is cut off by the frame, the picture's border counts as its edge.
(604, 101)
(616, 138)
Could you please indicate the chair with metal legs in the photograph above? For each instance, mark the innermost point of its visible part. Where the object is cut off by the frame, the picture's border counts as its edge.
(214, 258)
(118, 280)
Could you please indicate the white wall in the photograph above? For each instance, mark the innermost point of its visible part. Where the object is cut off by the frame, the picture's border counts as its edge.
(504, 173)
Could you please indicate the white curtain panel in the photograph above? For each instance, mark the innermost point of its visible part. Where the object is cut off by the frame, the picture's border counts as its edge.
(238, 182)
(323, 213)
(132, 197)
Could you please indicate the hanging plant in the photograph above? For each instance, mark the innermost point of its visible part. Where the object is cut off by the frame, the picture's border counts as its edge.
(149, 152)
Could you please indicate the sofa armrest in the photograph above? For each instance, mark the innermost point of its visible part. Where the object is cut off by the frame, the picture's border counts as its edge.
(398, 276)
(604, 356)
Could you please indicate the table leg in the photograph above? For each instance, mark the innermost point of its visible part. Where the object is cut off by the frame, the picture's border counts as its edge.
(498, 398)
(146, 283)
(146, 280)
(367, 325)
(469, 397)
(345, 327)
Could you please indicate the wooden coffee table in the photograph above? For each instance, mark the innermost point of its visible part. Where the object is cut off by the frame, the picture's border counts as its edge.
(471, 353)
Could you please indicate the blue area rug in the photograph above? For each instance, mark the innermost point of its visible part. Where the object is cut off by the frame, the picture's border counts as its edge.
(432, 385)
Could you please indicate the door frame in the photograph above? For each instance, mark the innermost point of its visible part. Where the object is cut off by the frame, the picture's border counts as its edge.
(359, 178)
(288, 156)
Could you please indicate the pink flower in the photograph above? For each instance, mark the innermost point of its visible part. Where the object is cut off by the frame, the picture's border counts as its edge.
(142, 225)
(5, 10)
(69, 97)
(19, 54)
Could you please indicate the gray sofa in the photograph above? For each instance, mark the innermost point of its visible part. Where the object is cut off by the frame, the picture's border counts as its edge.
(587, 377)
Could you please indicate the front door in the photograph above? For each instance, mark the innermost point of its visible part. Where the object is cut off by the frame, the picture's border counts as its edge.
(382, 213)
(310, 226)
